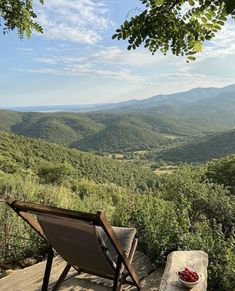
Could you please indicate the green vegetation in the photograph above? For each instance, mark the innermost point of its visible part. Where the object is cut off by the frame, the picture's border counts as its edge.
(8, 119)
(123, 137)
(203, 149)
(94, 131)
(163, 25)
(192, 208)
(102, 132)
(62, 128)
(18, 14)
(180, 123)
(222, 171)
(177, 26)
(140, 125)
(188, 212)
(21, 155)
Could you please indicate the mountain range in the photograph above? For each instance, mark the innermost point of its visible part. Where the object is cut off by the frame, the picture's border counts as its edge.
(134, 105)
(162, 122)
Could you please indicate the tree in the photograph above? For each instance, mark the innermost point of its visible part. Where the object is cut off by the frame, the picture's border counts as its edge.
(19, 14)
(180, 26)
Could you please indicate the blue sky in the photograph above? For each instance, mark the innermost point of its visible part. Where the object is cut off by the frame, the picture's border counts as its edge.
(75, 61)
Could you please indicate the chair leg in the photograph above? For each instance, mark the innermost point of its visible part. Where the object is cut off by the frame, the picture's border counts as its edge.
(61, 278)
(117, 285)
(48, 269)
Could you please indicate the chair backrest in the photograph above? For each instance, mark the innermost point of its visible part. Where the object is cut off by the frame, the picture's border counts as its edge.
(92, 232)
(80, 238)
(77, 242)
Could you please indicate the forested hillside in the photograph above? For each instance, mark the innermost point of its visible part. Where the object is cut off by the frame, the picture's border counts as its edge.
(55, 163)
(156, 123)
(191, 208)
(99, 131)
(203, 149)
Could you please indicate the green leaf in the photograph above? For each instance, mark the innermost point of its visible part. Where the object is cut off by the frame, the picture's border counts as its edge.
(203, 19)
(191, 58)
(208, 16)
(191, 2)
(197, 46)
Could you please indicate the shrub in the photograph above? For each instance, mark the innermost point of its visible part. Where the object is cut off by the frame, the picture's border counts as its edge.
(155, 220)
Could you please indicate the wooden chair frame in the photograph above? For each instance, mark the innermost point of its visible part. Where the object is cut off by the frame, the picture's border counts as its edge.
(124, 267)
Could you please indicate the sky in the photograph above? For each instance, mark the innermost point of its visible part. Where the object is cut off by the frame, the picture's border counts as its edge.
(75, 60)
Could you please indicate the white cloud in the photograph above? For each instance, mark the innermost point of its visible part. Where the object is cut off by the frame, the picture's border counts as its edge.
(84, 70)
(177, 82)
(104, 63)
(80, 21)
(54, 60)
(26, 50)
(107, 56)
(222, 45)
(183, 76)
(137, 58)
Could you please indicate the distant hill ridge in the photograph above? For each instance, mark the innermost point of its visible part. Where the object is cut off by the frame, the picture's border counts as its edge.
(155, 123)
(99, 131)
(134, 104)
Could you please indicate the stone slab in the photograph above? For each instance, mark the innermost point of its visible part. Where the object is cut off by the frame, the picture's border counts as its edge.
(177, 261)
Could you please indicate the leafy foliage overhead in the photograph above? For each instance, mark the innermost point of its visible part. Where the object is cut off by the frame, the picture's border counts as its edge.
(18, 14)
(177, 25)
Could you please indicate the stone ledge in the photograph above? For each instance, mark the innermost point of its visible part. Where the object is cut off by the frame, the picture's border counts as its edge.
(178, 260)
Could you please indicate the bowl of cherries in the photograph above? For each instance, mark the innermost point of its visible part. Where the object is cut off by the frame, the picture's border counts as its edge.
(188, 278)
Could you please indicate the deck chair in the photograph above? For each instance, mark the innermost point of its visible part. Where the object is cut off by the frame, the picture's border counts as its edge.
(87, 242)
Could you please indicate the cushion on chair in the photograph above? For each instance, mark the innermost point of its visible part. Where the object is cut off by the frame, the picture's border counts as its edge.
(125, 236)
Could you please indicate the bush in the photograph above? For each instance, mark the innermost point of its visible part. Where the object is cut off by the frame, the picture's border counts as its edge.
(156, 223)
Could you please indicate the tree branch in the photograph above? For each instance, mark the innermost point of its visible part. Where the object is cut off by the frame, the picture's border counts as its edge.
(173, 5)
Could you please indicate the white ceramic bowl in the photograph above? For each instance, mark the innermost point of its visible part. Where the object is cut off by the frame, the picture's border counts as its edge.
(188, 285)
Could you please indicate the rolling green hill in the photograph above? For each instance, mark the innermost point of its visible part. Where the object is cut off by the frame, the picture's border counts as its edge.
(157, 123)
(123, 137)
(206, 148)
(102, 132)
(18, 153)
(8, 119)
(62, 128)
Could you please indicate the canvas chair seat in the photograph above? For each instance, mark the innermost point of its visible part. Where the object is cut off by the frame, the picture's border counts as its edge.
(85, 241)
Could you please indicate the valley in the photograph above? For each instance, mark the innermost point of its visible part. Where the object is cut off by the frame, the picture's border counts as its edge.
(193, 126)
(164, 164)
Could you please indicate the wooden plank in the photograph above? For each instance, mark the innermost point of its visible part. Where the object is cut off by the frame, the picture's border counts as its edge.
(30, 279)
(137, 256)
(152, 282)
(82, 284)
(144, 267)
(41, 208)
(176, 261)
(141, 263)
